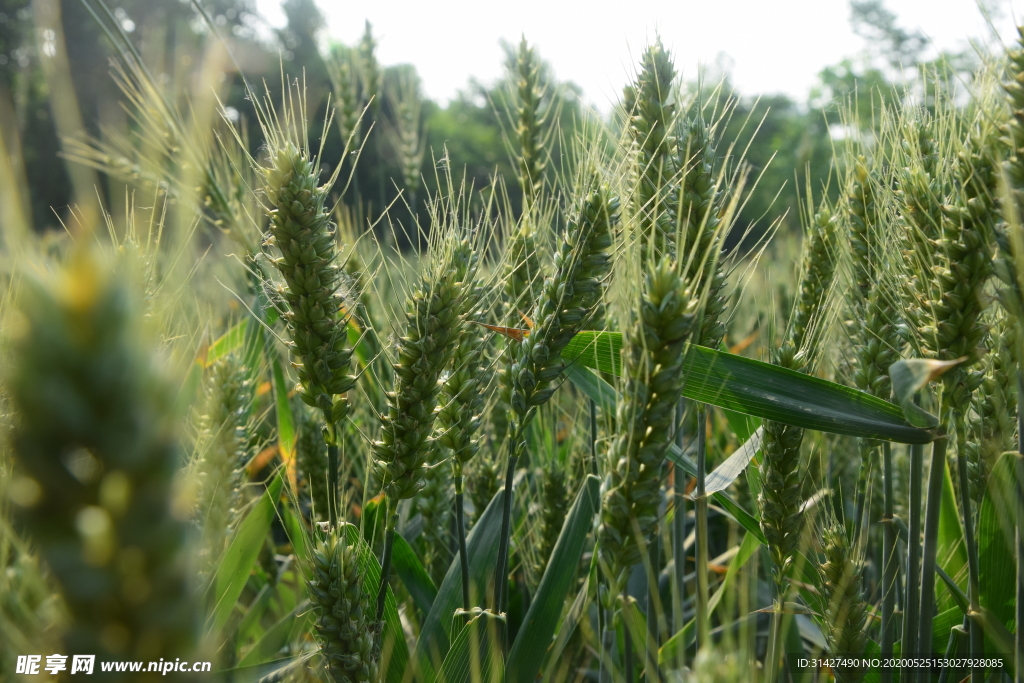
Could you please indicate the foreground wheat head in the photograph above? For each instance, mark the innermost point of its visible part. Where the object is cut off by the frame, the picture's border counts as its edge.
(95, 440)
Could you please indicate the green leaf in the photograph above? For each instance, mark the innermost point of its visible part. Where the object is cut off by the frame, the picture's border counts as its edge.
(227, 342)
(959, 597)
(576, 612)
(725, 474)
(595, 388)
(436, 633)
(416, 579)
(278, 635)
(238, 560)
(285, 422)
(910, 376)
(942, 623)
(763, 390)
(538, 626)
(475, 654)
(271, 671)
(951, 554)
(394, 650)
(997, 563)
(742, 426)
(189, 388)
(723, 499)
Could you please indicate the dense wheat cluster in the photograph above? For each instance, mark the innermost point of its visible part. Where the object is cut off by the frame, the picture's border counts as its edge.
(582, 423)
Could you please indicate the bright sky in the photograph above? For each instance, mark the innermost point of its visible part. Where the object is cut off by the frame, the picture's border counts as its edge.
(769, 46)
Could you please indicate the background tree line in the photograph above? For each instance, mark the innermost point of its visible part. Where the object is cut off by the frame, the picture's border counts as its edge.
(381, 109)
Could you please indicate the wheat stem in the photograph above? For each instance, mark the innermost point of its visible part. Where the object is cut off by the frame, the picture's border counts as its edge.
(701, 530)
(889, 562)
(771, 658)
(391, 521)
(679, 536)
(930, 548)
(460, 524)
(501, 569)
(332, 481)
(973, 587)
(911, 616)
(1019, 641)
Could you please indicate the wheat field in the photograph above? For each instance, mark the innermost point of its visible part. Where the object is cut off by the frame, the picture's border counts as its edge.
(606, 433)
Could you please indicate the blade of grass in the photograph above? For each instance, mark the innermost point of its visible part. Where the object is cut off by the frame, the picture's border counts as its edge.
(436, 632)
(285, 423)
(725, 474)
(227, 342)
(394, 656)
(278, 635)
(416, 579)
(475, 654)
(277, 670)
(767, 391)
(723, 499)
(240, 557)
(539, 623)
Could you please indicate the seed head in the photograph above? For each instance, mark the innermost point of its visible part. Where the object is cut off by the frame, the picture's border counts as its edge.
(842, 611)
(993, 426)
(653, 348)
(345, 627)
(568, 299)
(780, 498)
(701, 213)
(651, 124)
(95, 434)
(302, 231)
(434, 317)
(530, 123)
(226, 425)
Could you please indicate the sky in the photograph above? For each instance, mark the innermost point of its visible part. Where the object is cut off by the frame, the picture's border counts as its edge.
(768, 46)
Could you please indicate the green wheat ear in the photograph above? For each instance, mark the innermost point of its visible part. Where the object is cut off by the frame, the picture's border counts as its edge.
(566, 305)
(702, 214)
(222, 469)
(346, 630)
(863, 213)
(433, 317)
(95, 435)
(993, 426)
(1011, 295)
(434, 503)
(649, 104)
(302, 230)
(780, 498)
(311, 459)
(530, 123)
(842, 611)
(554, 496)
(654, 340)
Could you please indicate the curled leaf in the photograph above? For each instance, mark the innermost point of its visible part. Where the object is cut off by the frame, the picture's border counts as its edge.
(909, 377)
